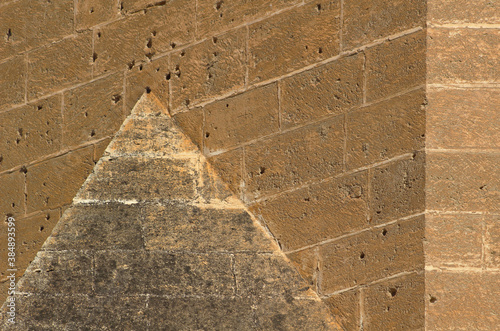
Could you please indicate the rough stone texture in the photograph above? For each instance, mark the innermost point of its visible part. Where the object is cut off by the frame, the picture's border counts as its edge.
(12, 82)
(229, 166)
(385, 130)
(291, 40)
(53, 183)
(89, 13)
(463, 11)
(208, 69)
(12, 193)
(318, 212)
(391, 304)
(492, 241)
(463, 182)
(372, 255)
(331, 89)
(30, 131)
(395, 66)
(93, 111)
(239, 119)
(182, 262)
(345, 306)
(214, 16)
(462, 300)
(463, 118)
(294, 157)
(191, 123)
(462, 55)
(62, 64)
(368, 20)
(118, 44)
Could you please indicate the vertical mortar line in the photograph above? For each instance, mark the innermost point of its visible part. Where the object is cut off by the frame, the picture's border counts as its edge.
(25, 193)
(93, 52)
(365, 74)
(279, 106)
(124, 91)
(62, 121)
(361, 308)
(170, 72)
(344, 145)
(243, 194)
(74, 15)
(247, 55)
(233, 272)
(341, 30)
(196, 20)
(26, 68)
(483, 243)
(316, 271)
(369, 195)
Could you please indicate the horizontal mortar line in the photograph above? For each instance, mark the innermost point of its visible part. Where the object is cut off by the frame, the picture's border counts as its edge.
(451, 212)
(393, 96)
(48, 250)
(473, 85)
(381, 280)
(62, 152)
(61, 91)
(464, 150)
(162, 203)
(328, 179)
(464, 25)
(36, 213)
(147, 155)
(351, 234)
(462, 269)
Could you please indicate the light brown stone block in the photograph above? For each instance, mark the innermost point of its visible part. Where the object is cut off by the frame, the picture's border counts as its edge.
(333, 88)
(293, 39)
(395, 66)
(92, 12)
(228, 166)
(368, 20)
(462, 55)
(13, 27)
(345, 307)
(385, 130)
(54, 182)
(492, 241)
(316, 213)
(291, 159)
(59, 65)
(30, 132)
(463, 118)
(307, 264)
(463, 11)
(236, 120)
(12, 82)
(208, 69)
(191, 123)
(12, 194)
(93, 111)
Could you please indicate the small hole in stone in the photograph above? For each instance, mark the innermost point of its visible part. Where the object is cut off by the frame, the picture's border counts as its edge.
(148, 89)
(168, 76)
(94, 57)
(183, 53)
(91, 10)
(131, 65)
(98, 35)
(153, 33)
(262, 170)
(18, 141)
(9, 34)
(86, 114)
(432, 299)
(209, 75)
(20, 131)
(24, 170)
(157, 69)
(1, 158)
(207, 134)
(307, 199)
(121, 5)
(384, 232)
(47, 217)
(116, 98)
(392, 292)
(362, 255)
(320, 50)
(187, 102)
(39, 107)
(215, 54)
(92, 133)
(13, 205)
(227, 105)
(214, 40)
(218, 5)
(172, 44)
(140, 67)
(149, 44)
(41, 228)
(318, 7)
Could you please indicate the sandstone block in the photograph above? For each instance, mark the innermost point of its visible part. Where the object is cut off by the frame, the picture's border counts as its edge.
(462, 11)
(12, 194)
(12, 82)
(294, 158)
(318, 212)
(333, 88)
(345, 307)
(59, 65)
(93, 111)
(92, 12)
(291, 40)
(306, 262)
(462, 55)
(208, 69)
(229, 166)
(191, 123)
(236, 120)
(492, 241)
(368, 20)
(13, 27)
(54, 183)
(30, 132)
(385, 130)
(395, 66)
(372, 255)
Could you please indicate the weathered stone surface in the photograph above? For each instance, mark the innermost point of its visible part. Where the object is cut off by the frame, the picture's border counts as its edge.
(318, 212)
(30, 132)
(177, 227)
(214, 16)
(463, 11)
(306, 262)
(119, 45)
(395, 66)
(208, 69)
(59, 65)
(293, 158)
(398, 189)
(372, 255)
(122, 178)
(229, 167)
(13, 27)
(265, 275)
(385, 130)
(12, 82)
(93, 111)
(163, 273)
(454, 300)
(191, 123)
(54, 183)
(463, 118)
(345, 307)
(333, 88)
(92, 12)
(393, 304)
(60, 273)
(12, 194)
(463, 182)
(492, 241)
(368, 20)
(240, 119)
(453, 240)
(462, 55)
(98, 227)
(293, 39)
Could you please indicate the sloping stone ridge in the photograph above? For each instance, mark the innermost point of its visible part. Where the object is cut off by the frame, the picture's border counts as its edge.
(154, 241)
